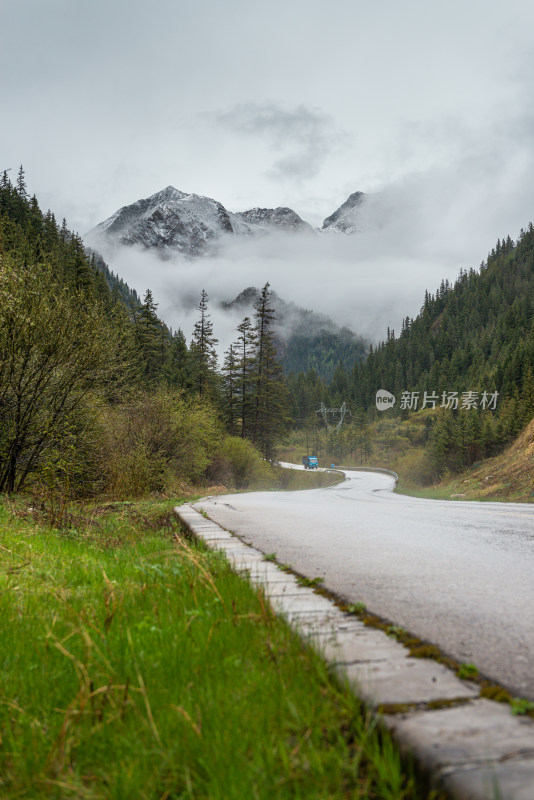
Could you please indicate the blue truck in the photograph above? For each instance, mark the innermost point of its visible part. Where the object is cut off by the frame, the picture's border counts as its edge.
(310, 462)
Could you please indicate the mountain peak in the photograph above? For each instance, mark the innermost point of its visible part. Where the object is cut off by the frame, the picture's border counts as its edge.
(344, 219)
(280, 217)
(170, 222)
(169, 193)
(174, 222)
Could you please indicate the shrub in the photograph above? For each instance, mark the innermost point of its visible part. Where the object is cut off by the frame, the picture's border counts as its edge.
(54, 350)
(155, 440)
(239, 461)
(415, 468)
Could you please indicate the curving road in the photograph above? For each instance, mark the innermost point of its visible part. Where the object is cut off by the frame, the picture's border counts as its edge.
(458, 574)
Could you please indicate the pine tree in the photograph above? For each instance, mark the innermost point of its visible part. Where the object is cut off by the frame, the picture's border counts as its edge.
(148, 328)
(231, 387)
(271, 399)
(246, 368)
(177, 367)
(526, 403)
(21, 184)
(202, 350)
(77, 265)
(339, 385)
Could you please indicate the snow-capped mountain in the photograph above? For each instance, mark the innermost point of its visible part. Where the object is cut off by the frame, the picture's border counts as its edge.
(345, 218)
(268, 219)
(173, 222)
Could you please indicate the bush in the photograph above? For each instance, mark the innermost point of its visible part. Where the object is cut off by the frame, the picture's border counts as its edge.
(239, 463)
(415, 468)
(156, 440)
(55, 348)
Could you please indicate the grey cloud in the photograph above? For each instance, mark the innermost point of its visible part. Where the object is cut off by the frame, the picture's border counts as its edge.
(304, 136)
(414, 232)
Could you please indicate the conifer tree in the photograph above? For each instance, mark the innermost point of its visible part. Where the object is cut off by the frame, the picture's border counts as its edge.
(526, 403)
(77, 265)
(271, 398)
(21, 184)
(339, 385)
(246, 367)
(202, 351)
(177, 367)
(231, 388)
(148, 329)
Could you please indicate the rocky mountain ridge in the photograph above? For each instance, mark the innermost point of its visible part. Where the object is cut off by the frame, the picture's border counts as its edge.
(345, 218)
(174, 222)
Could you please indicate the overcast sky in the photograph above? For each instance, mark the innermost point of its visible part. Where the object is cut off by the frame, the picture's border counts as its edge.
(288, 102)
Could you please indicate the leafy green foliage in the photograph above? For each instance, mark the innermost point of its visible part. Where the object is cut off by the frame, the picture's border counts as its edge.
(520, 706)
(156, 440)
(240, 465)
(467, 671)
(54, 349)
(92, 382)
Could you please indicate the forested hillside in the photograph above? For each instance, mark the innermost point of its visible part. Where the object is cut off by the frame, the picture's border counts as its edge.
(305, 339)
(476, 336)
(96, 393)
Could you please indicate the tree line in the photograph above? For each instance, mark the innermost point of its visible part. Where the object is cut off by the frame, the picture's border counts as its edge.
(80, 353)
(81, 356)
(476, 334)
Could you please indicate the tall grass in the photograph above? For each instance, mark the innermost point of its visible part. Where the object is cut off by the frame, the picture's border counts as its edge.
(134, 665)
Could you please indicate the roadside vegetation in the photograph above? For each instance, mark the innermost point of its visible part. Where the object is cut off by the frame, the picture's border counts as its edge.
(472, 341)
(135, 664)
(99, 397)
(402, 446)
(508, 476)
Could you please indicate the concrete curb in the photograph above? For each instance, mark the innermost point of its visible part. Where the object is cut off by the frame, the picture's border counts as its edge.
(473, 748)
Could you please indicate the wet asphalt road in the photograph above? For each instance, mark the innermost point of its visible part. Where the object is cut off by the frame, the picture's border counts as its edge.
(457, 574)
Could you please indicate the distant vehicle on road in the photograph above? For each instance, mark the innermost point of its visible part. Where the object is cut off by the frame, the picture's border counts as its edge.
(310, 462)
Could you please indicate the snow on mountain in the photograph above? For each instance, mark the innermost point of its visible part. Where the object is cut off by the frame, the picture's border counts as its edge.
(172, 222)
(267, 219)
(345, 218)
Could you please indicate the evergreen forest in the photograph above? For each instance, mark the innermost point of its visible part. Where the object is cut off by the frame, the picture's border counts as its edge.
(470, 349)
(99, 396)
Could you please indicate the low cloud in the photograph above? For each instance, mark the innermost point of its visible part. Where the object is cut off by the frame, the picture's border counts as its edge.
(413, 233)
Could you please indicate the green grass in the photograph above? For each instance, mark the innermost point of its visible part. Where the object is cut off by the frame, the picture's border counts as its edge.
(134, 665)
(292, 480)
(429, 493)
(310, 582)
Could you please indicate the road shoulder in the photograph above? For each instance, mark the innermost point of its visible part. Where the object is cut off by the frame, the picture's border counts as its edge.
(470, 746)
